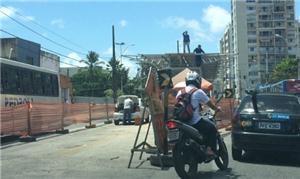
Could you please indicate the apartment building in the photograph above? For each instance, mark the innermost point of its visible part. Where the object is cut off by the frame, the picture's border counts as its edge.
(226, 48)
(263, 35)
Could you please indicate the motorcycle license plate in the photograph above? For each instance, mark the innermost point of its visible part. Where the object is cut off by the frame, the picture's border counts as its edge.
(173, 135)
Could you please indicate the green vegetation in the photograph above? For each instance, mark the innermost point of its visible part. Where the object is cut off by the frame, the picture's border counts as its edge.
(97, 81)
(287, 69)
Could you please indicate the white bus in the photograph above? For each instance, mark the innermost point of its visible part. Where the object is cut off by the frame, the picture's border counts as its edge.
(22, 82)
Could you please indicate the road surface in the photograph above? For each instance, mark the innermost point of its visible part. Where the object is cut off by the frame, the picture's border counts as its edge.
(104, 152)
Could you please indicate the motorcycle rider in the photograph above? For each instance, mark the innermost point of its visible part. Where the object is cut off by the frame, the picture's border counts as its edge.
(205, 127)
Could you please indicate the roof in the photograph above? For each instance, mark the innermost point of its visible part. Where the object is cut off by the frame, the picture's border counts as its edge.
(180, 77)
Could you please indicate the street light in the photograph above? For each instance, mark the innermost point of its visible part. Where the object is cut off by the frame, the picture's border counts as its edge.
(285, 42)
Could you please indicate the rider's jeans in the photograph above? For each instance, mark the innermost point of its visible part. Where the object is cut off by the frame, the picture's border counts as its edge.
(209, 130)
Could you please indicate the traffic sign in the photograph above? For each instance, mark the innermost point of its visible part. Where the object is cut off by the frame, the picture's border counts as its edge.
(229, 93)
(165, 78)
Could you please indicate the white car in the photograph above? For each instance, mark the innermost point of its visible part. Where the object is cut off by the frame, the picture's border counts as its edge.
(136, 113)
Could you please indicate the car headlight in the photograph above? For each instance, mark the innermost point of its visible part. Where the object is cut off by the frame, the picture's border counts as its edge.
(246, 123)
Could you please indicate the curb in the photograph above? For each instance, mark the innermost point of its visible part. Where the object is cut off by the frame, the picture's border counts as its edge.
(6, 140)
(84, 128)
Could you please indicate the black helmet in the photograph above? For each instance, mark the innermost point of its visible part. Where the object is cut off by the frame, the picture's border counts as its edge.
(194, 78)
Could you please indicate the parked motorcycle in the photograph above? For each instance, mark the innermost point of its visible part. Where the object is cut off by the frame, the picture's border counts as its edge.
(190, 149)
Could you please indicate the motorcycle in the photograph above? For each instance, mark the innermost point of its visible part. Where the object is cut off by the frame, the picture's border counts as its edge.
(189, 148)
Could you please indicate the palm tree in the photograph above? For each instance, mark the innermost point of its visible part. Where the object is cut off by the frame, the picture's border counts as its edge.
(93, 60)
(92, 63)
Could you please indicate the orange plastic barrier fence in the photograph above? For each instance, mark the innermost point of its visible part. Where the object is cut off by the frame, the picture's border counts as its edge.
(224, 118)
(48, 117)
(13, 119)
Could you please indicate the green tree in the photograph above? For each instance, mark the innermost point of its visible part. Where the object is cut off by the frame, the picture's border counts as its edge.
(287, 69)
(96, 87)
(92, 63)
(92, 81)
(121, 73)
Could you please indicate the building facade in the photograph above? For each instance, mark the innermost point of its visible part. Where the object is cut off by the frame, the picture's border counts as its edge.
(50, 61)
(226, 48)
(263, 35)
(70, 71)
(20, 50)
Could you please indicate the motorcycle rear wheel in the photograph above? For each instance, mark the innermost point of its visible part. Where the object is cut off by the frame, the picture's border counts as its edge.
(185, 163)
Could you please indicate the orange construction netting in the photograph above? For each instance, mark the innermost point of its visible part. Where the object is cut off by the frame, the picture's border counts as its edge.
(49, 117)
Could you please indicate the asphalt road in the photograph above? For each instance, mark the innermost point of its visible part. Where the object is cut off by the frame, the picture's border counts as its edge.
(104, 152)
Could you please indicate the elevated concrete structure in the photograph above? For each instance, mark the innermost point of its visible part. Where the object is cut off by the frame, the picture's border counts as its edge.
(179, 61)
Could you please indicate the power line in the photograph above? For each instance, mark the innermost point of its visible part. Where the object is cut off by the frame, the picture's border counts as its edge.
(18, 22)
(45, 49)
(45, 28)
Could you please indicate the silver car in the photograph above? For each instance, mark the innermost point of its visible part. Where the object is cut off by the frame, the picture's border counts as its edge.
(136, 113)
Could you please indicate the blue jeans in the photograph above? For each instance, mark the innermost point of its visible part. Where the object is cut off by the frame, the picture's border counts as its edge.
(127, 116)
(188, 46)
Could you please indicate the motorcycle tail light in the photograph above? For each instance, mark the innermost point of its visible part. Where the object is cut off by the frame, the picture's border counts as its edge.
(171, 125)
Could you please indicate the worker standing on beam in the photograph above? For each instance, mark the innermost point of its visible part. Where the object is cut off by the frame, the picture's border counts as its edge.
(198, 59)
(186, 41)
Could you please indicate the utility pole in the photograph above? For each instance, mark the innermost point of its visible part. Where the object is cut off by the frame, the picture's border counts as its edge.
(114, 66)
(121, 55)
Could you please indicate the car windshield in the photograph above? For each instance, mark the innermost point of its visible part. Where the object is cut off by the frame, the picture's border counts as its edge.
(272, 104)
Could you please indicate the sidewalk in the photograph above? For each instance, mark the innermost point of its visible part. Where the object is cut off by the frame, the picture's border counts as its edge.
(7, 139)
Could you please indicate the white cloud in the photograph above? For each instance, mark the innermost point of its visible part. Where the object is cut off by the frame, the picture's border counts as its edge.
(192, 25)
(217, 18)
(29, 18)
(58, 23)
(10, 11)
(123, 23)
(75, 58)
(180, 22)
(132, 66)
(108, 52)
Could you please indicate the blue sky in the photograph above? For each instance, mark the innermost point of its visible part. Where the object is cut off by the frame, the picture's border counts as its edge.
(145, 27)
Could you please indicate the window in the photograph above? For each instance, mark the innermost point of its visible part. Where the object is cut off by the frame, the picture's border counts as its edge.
(54, 84)
(37, 83)
(251, 40)
(250, 8)
(290, 8)
(4, 79)
(16, 80)
(47, 84)
(27, 82)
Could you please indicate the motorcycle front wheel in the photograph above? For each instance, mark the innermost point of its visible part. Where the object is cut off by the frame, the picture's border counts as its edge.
(185, 163)
(222, 153)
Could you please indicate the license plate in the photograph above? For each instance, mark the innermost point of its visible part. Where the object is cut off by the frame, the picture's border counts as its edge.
(173, 135)
(268, 125)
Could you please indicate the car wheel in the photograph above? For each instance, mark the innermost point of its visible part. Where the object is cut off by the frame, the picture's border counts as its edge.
(147, 120)
(116, 122)
(236, 154)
